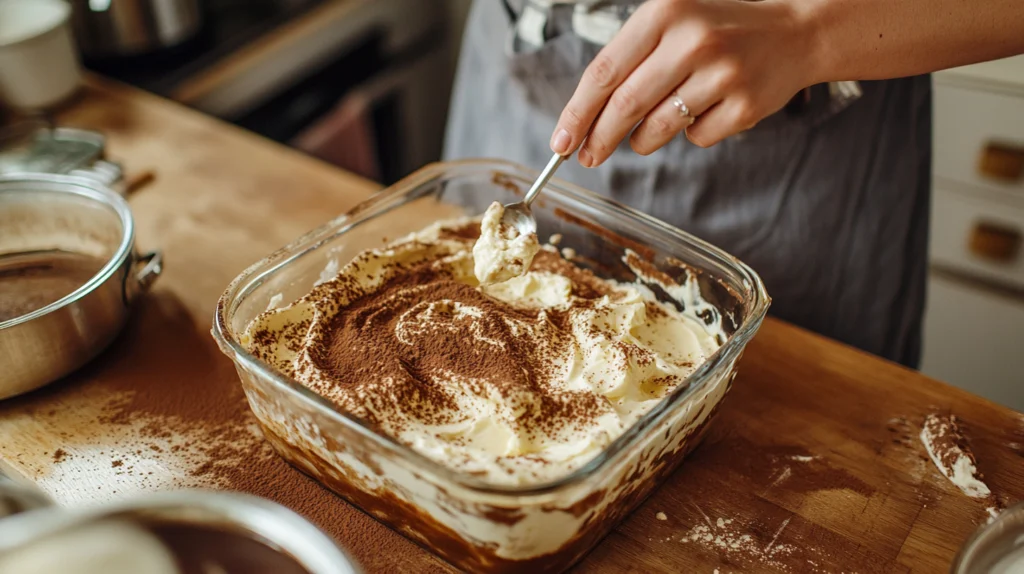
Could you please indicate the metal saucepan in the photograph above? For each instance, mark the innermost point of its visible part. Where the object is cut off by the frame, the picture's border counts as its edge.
(114, 28)
(169, 532)
(33, 145)
(69, 274)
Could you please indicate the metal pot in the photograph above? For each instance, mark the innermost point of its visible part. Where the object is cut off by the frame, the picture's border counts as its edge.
(72, 237)
(113, 28)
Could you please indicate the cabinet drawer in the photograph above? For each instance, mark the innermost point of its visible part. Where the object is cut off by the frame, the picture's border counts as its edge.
(979, 138)
(978, 236)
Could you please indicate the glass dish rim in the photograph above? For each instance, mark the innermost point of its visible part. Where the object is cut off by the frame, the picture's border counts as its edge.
(378, 204)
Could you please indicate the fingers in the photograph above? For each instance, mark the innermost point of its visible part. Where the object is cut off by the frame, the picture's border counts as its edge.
(613, 64)
(643, 90)
(699, 93)
(729, 117)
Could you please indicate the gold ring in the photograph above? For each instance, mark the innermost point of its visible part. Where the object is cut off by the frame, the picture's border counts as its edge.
(684, 110)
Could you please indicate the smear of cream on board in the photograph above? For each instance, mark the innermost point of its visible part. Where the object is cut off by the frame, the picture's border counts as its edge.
(945, 445)
(948, 449)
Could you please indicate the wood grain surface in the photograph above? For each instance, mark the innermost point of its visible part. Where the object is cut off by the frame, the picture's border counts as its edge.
(814, 464)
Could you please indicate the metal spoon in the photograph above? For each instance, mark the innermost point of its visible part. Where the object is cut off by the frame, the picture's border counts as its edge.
(518, 215)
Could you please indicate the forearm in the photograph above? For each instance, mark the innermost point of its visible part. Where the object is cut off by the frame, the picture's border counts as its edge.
(881, 39)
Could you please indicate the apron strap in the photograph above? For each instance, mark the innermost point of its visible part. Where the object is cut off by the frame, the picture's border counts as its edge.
(512, 16)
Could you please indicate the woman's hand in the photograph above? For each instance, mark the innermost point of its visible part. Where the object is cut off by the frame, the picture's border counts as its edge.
(720, 65)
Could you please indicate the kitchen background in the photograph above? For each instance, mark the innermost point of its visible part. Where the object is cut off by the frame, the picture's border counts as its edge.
(364, 84)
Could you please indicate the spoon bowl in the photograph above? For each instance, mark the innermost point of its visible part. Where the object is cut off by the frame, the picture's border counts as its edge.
(518, 215)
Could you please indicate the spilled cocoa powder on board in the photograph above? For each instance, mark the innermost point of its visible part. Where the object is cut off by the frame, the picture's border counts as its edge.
(176, 402)
(786, 467)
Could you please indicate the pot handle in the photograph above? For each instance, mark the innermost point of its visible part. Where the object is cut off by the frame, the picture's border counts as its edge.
(152, 266)
(105, 172)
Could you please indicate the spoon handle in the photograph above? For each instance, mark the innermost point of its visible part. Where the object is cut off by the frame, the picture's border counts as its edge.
(542, 180)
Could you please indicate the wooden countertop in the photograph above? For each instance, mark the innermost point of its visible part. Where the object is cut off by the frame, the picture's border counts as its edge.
(814, 464)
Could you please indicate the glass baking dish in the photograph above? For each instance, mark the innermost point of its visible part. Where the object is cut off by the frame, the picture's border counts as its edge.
(474, 525)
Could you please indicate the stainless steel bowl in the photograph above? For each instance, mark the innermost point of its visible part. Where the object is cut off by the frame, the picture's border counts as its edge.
(198, 513)
(52, 227)
(996, 547)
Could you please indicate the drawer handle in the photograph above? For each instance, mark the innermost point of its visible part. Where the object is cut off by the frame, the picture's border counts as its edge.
(996, 242)
(1002, 161)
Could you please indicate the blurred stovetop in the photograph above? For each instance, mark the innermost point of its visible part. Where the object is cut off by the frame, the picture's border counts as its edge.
(227, 26)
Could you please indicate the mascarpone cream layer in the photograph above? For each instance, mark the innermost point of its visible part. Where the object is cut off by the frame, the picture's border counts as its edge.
(518, 382)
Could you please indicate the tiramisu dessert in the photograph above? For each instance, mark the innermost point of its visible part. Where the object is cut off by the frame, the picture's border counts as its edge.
(519, 380)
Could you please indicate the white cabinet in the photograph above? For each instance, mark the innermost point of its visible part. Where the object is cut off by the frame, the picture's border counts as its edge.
(974, 339)
(974, 321)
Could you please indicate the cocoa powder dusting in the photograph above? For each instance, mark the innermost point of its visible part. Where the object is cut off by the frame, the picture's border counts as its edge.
(584, 283)
(467, 231)
(363, 347)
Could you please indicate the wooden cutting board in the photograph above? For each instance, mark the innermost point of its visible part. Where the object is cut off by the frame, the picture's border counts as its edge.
(814, 464)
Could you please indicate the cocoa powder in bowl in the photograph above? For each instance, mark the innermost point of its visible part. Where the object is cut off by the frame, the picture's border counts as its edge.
(29, 282)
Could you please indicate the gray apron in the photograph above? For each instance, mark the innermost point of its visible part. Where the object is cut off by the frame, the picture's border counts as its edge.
(828, 203)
